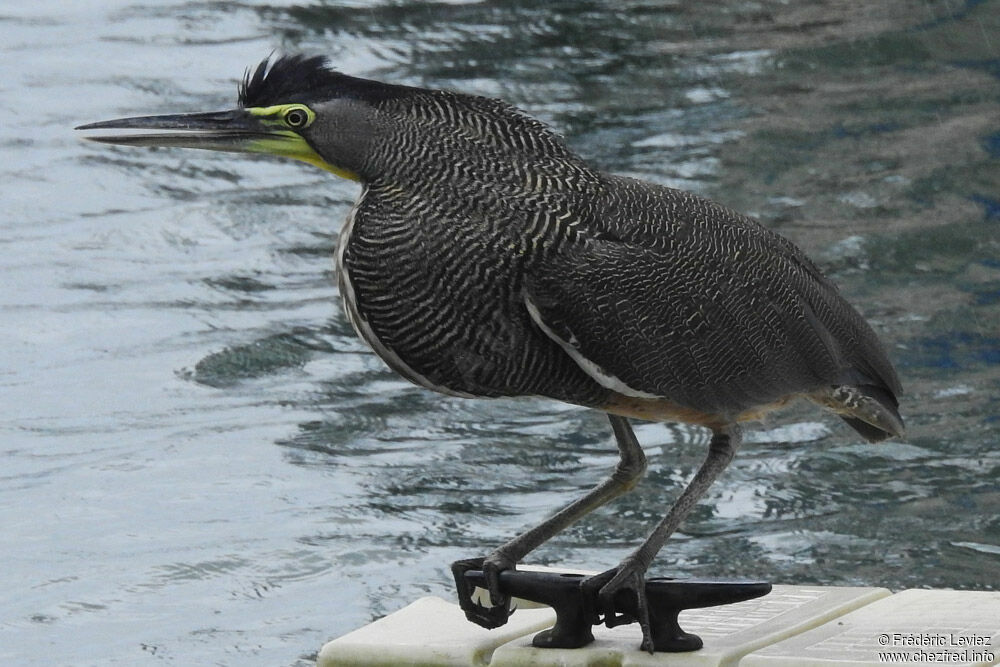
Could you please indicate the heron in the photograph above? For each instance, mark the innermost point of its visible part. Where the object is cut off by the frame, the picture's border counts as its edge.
(485, 258)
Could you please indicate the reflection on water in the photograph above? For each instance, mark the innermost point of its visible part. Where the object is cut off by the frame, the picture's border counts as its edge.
(203, 464)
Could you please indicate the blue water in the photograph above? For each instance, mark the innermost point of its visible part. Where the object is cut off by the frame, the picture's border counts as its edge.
(202, 465)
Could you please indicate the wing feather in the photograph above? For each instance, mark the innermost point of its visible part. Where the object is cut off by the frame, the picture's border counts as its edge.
(702, 307)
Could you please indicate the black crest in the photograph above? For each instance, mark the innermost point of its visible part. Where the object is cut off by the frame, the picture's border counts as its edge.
(284, 79)
(302, 78)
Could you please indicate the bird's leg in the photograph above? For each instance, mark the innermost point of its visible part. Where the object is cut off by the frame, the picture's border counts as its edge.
(630, 573)
(631, 465)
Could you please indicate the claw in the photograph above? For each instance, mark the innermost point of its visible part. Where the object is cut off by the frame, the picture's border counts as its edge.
(608, 593)
(491, 566)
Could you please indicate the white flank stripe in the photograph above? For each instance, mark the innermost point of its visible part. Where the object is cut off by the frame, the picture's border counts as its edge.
(589, 367)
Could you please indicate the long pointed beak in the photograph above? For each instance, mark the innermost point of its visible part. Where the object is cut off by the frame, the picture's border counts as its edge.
(236, 131)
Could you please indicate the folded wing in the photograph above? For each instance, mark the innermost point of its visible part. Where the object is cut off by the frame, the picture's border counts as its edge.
(720, 317)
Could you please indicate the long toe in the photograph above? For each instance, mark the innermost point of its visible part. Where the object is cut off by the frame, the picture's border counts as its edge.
(621, 598)
(487, 617)
(492, 566)
(591, 587)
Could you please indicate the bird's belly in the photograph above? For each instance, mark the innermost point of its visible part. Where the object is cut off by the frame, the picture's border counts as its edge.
(661, 409)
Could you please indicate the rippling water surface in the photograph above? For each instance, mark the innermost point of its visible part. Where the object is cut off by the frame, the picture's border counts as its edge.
(201, 464)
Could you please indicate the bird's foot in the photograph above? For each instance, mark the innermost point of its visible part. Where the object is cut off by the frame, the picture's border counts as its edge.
(618, 597)
(488, 617)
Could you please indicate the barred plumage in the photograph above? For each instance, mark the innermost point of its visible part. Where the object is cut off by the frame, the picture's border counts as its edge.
(474, 210)
(484, 258)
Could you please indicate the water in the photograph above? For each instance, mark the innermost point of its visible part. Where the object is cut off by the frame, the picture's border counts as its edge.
(202, 465)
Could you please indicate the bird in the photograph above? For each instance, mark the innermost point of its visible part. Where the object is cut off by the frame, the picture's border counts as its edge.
(485, 258)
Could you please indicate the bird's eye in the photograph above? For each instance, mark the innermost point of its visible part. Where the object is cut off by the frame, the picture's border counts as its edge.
(296, 118)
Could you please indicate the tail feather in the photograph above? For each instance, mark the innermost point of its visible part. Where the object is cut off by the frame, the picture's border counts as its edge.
(867, 431)
(871, 410)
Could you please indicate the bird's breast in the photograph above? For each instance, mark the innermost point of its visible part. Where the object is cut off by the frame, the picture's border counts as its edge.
(437, 293)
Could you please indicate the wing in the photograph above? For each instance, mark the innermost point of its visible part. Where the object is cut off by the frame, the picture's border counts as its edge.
(703, 307)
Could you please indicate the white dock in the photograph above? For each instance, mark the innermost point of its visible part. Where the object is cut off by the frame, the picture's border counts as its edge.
(809, 626)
